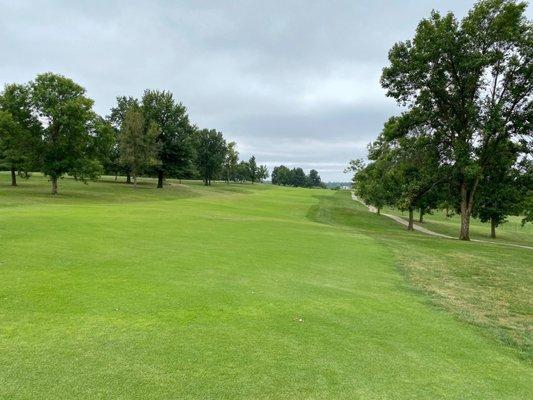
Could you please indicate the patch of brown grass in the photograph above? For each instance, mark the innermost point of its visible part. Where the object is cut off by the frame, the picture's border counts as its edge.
(481, 284)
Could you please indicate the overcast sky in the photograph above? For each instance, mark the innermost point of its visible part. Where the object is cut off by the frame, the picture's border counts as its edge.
(293, 82)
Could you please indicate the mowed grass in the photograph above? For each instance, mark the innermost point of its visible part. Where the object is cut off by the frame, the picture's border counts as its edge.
(512, 231)
(488, 285)
(240, 291)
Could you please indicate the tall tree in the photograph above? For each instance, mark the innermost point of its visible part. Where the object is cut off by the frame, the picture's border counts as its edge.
(65, 113)
(469, 83)
(262, 173)
(375, 182)
(242, 172)
(252, 164)
(21, 141)
(116, 118)
(211, 152)
(281, 175)
(104, 142)
(371, 185)
(415, 171)
(176, 147)
(138, 143)
(8, 129)
(313, 180)
(231, 161)
(298, 177)
(503, 188)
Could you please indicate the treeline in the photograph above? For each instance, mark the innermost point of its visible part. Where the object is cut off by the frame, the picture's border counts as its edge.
(464, 141)
(49, 125)
(296, 177)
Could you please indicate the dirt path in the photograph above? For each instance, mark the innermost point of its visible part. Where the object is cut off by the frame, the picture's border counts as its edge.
(419, 228)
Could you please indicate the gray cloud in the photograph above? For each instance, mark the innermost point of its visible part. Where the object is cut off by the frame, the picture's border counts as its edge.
(294, 81)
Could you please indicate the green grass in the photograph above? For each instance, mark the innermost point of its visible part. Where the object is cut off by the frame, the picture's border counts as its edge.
(488, 285)
(511, 231)
(240, 291)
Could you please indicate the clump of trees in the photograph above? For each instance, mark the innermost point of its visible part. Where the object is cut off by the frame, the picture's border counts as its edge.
(465, 137)
(211, 154)
(49, 125)
(296, 177)
(248, 171)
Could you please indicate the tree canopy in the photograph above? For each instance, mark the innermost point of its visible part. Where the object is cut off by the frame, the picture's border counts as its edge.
(467, 86)
(175, 138)
(20, 135)
(65, 114)
(211, 152)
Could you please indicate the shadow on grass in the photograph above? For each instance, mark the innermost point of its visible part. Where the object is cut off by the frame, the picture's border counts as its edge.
(37, 190)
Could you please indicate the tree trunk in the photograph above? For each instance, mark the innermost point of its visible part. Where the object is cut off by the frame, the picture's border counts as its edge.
(128, 178)
(116, 176)
(410, 225)
(465, 215)
(465, 226)
(54, 185)
(13, 176)
(378, 210)
(421, 216)
(466, 211)
(160, 177)
(492, 228)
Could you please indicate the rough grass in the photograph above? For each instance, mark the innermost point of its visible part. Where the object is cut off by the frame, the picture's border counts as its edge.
(488, 285)
(237, 291)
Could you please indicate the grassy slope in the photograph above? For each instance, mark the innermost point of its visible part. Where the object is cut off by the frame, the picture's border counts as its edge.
(227, 292)
(485, 284)
(511, 232)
